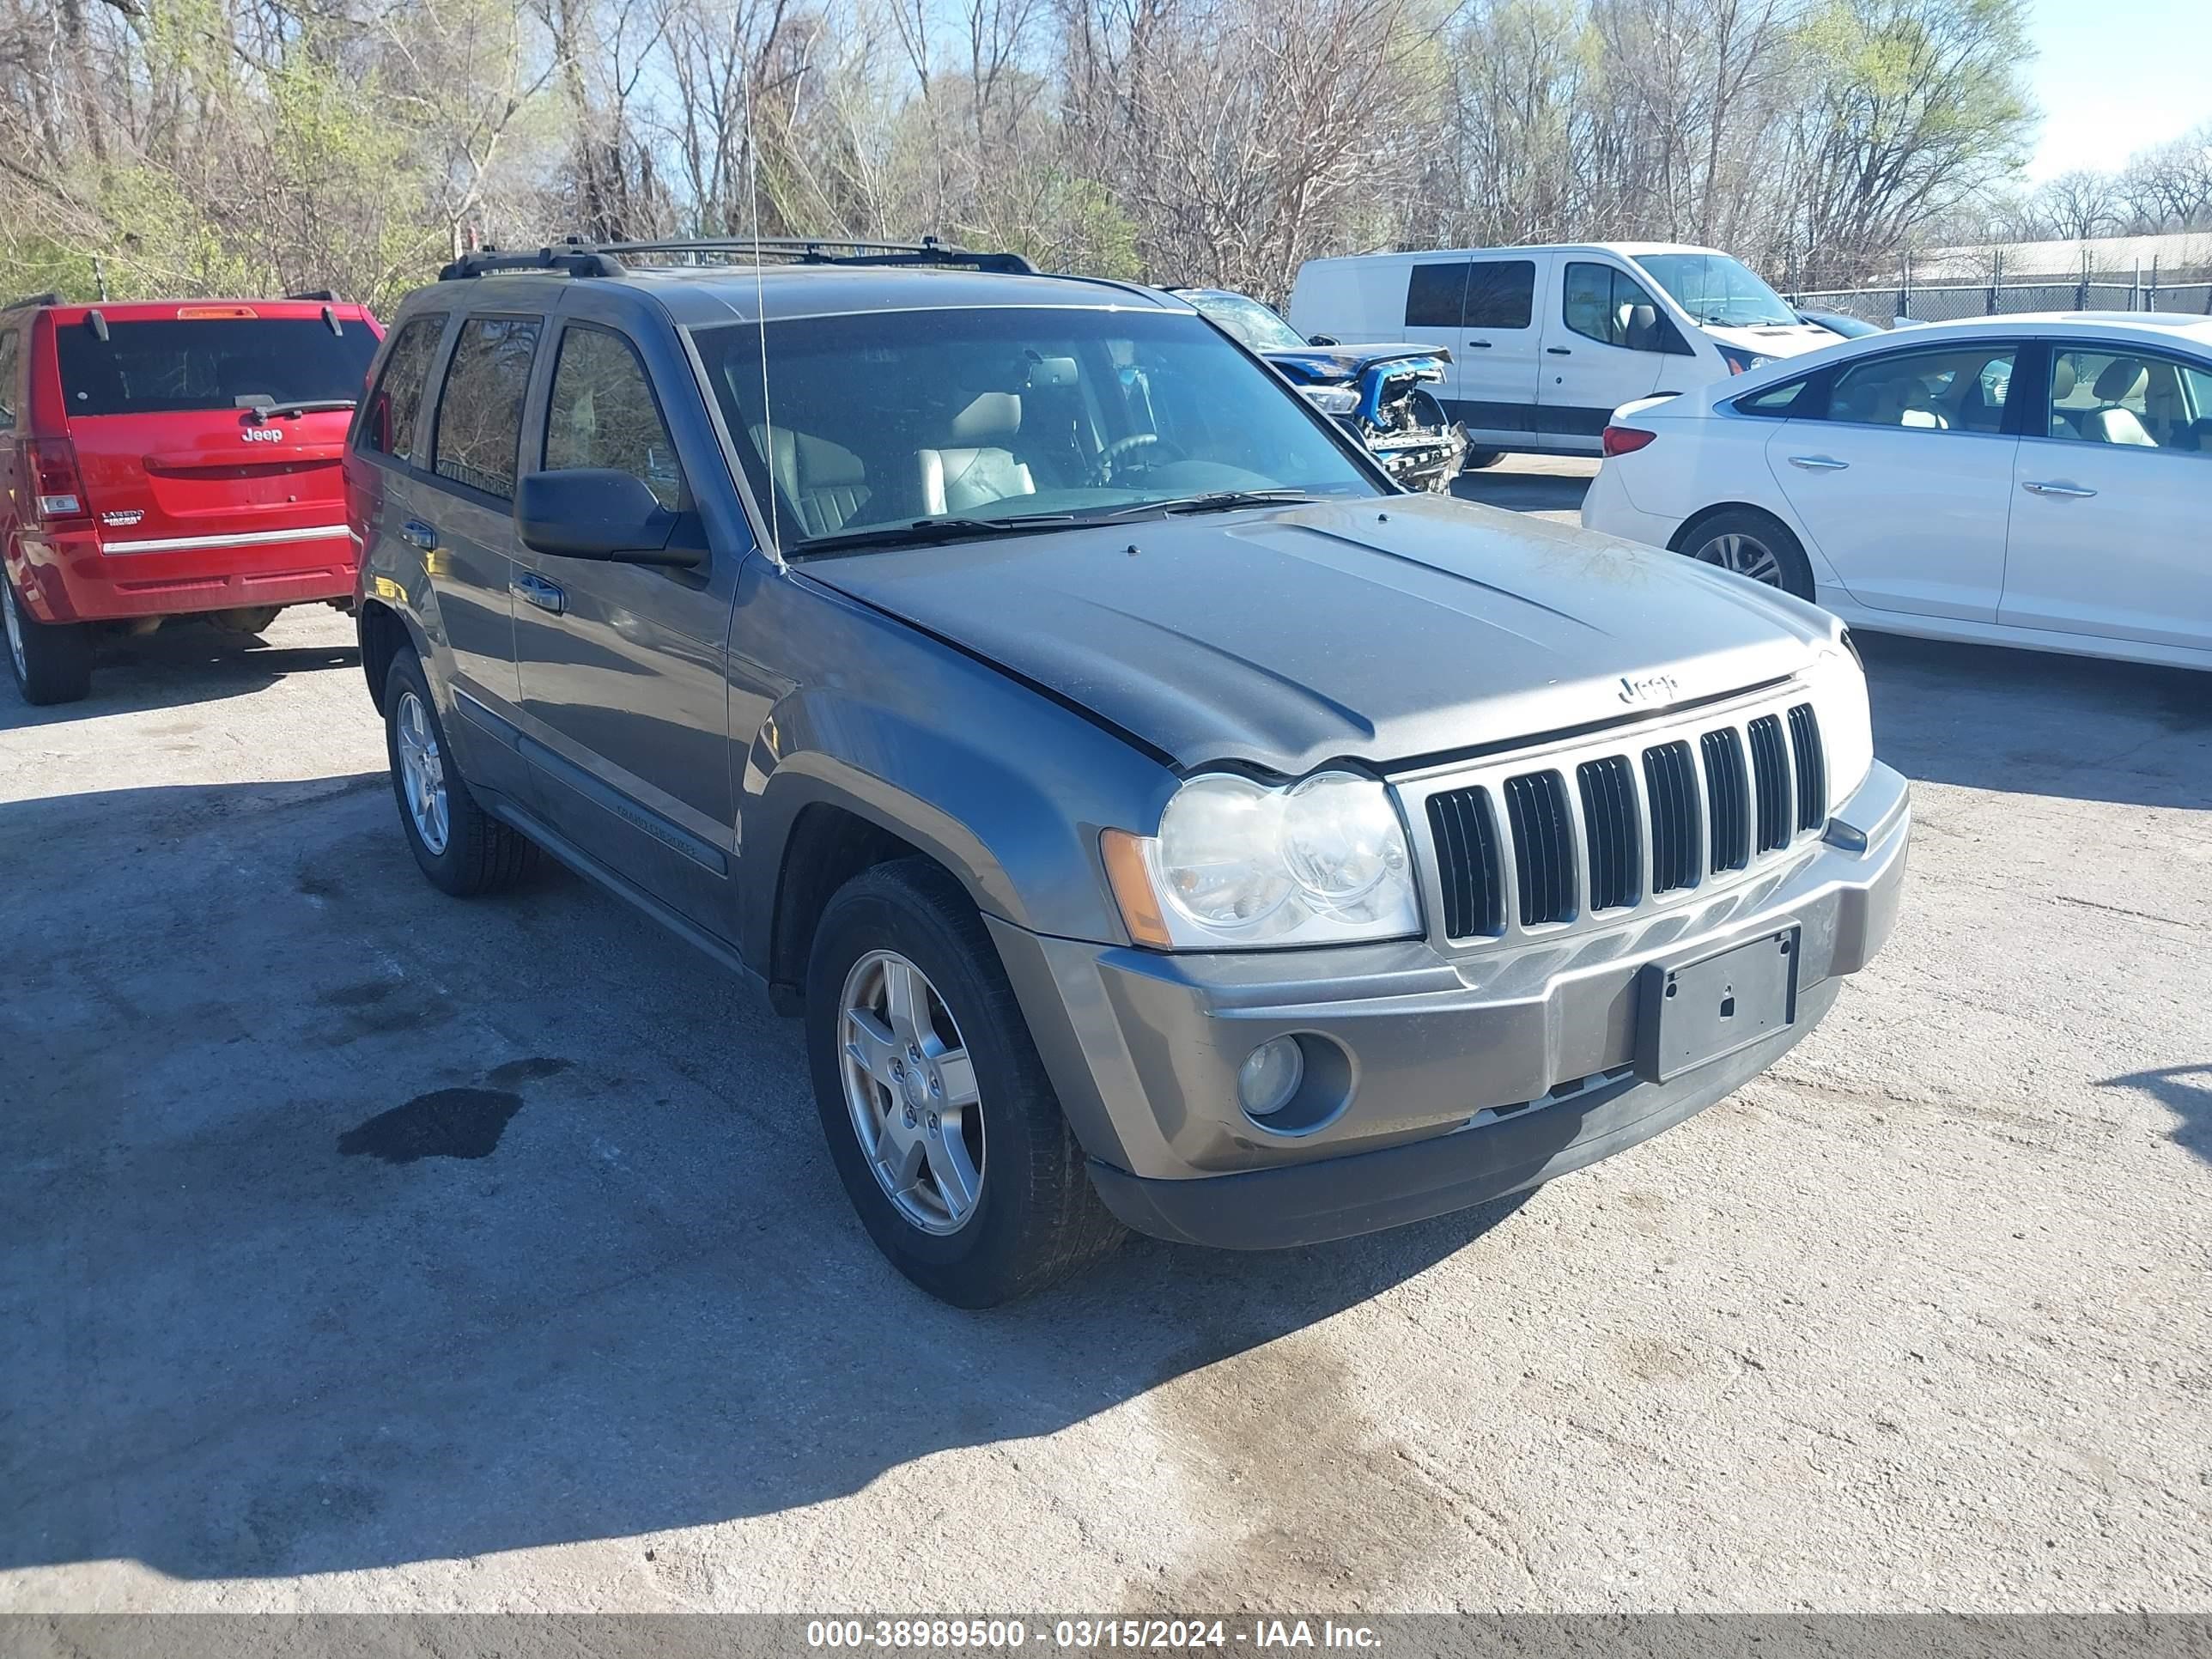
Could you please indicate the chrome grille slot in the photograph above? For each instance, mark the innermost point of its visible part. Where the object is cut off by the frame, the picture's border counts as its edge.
(1728, 794)
(1610, 828)
(1670, 788)
(1770, 776)
(1543, 846)
(1812, 767)
(1470, 862)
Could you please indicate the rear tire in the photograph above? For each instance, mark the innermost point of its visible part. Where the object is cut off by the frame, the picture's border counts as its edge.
(1033, 1217)
(1752, 543)
(462, 848)
(51, 661)
(1477, 459)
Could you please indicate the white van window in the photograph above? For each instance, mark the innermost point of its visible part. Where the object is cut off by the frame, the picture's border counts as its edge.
(1501, 294)
(1718, 291)
(1605, 304)
(1435, 294)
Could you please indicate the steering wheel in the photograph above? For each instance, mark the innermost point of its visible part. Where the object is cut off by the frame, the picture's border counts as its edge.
(1110, 457)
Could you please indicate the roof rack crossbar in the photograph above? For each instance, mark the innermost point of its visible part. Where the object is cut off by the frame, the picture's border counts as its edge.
(573, 259)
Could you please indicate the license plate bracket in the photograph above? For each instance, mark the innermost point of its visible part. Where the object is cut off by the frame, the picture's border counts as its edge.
(1695, 1012)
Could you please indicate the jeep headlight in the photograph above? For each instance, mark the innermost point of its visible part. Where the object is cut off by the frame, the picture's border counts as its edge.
(1332, 399)
(1839, 698)
(1238, 863)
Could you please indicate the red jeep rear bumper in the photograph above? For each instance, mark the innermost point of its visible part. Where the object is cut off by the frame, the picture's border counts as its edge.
(72, 577)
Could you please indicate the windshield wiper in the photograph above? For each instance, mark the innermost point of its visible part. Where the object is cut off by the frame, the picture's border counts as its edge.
(921, 532)
(1214, 500)
(261, 412)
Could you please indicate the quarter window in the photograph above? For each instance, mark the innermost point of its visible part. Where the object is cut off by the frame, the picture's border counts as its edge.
(2132, 398)
(1609, 306)
(602, 414)
(1775, 402)
(395, 408)
(1501, 294)
(1950, 388)
(1436, 294)
(479, 429)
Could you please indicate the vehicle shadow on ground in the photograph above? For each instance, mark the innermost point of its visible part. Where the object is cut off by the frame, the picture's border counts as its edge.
(1528, 484)
(2035, 723)
(343, 1226)
(2184, 1091)
(180, 664)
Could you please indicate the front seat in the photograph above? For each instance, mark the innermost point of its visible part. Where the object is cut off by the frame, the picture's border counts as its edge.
(974, 467)
(2063, 381)
(827, 483)
(2122, 378)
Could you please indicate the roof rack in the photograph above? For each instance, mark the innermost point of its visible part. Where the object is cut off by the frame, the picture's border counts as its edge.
(576, 258)
(571, 258)
(49, 298)
(824, 251)
(323, 294)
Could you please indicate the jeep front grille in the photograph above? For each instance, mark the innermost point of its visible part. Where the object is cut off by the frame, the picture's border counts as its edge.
(1598, 827)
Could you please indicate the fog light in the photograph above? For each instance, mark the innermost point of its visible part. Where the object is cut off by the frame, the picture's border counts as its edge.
(1270, 1075)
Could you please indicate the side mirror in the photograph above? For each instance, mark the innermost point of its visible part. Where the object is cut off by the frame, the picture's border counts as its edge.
(1322, 340)
(600, 513)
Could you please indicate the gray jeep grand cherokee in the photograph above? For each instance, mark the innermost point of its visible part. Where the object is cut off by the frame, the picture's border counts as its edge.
(1159, 818)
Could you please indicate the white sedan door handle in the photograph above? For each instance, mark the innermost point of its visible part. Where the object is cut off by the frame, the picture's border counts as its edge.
(1818, 463)
(2072, 492)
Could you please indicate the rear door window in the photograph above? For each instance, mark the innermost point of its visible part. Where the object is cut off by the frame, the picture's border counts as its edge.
(1942, 389)
(602, 414)
(200, 364)
(478, 432)
(389, 425)
(1501, 294)
(1436, 295)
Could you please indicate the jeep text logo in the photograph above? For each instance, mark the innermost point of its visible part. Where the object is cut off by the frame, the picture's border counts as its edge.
(263, 434)
(1648, 688)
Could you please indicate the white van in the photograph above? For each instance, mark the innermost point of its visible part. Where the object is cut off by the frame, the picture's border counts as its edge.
(1547, 342)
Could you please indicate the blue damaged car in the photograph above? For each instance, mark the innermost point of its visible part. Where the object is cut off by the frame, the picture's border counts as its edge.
(1380, 392)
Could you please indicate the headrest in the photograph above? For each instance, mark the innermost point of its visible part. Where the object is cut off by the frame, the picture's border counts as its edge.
(2062, 377)
(804, 461)
(993, 416)
(2122, 378)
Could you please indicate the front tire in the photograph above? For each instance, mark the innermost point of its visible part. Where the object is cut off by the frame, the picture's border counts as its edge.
(52, 662)
(462, 848)
(1752, 543)
(941, 1118)
(1476, 461)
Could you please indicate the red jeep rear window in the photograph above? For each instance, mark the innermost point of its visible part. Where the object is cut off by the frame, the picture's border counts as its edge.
(150, 368)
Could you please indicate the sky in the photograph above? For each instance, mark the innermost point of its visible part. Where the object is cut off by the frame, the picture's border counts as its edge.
(2115, 77)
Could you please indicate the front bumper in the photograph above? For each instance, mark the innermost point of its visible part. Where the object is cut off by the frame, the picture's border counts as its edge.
(1470, 1075)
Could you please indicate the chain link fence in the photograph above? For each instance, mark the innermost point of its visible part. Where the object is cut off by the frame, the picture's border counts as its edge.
(1946, 298)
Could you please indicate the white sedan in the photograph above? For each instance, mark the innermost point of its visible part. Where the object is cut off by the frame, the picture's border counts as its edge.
(2037, 481)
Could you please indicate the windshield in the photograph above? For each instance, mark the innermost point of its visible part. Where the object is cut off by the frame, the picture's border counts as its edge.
(231, 362)
(994, 416)
(1249, 320)
(1718, 292)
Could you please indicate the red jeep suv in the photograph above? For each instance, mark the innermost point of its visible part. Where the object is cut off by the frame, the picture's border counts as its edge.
(167, 458)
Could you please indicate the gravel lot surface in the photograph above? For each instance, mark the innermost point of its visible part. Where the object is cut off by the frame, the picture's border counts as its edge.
(1919, 1320)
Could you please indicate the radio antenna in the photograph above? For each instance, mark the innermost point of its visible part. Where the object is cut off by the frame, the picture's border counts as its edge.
(760, 311)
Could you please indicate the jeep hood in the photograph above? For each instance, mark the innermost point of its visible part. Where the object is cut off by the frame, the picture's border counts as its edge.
(1392, 630)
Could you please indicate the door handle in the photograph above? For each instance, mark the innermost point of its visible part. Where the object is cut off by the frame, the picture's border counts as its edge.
(418, 535)
(546, 596)
(1818, 463)
(2071, 492)
(1478, 345)
(1560, 351)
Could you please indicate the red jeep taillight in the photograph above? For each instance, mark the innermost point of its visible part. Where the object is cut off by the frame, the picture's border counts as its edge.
(1624, 440)
(56, 489)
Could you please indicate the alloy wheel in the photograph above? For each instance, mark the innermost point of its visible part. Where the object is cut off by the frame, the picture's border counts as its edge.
(422, 773)
(1747, 555)
(910, 1089)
